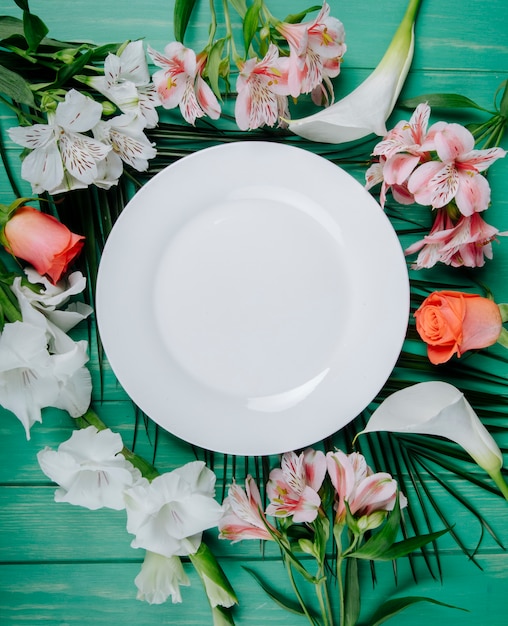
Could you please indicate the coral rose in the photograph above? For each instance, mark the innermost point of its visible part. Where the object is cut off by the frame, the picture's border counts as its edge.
(452, 322)
(42, 241)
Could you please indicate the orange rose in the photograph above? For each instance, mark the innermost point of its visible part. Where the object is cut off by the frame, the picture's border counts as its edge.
(42, 241)
(452, 322)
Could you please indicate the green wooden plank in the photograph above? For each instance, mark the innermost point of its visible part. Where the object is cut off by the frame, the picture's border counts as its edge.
(83, 594)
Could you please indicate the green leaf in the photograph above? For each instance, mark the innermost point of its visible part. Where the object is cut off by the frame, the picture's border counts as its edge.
(35, 30)
(66, 72)
(406, 546)
(10, 26)
(397, 605)
(240, 6)
(443, 101)
(22, 4)
(296, 18)
(214, 67)
(250, 23)
(16, 87)
(286, 603)
(181, 16)
(351, 593)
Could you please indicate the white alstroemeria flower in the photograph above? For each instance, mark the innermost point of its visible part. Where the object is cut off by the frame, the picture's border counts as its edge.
(365, 110)
(52, 296)
(130, 144)
(31, 378)
(90, 469)
(40, 309)
(60, 145)
(169, 515)
(126, 82)
(159, 578)
(438, 408)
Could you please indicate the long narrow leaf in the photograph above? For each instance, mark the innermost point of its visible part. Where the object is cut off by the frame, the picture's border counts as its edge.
(392, 607)
(286, 603)
(181, 16)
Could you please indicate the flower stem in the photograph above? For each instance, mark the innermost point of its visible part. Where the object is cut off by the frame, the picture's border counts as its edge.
(297, 592)
(340, 582)
(498, 478)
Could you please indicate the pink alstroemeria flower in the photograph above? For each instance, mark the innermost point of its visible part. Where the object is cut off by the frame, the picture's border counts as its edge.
(179, 82)
(356, 484)
(262, 88)
(467, 243)
(431, 246)
(316, 50)
(293, 488)
(457, 176)
(243, 517)
(375, 175)
(404, 147)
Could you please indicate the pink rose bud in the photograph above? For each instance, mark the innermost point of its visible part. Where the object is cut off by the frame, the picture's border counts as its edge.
(42, 241)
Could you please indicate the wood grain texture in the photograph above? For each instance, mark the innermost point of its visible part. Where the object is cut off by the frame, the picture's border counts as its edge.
(63, 565)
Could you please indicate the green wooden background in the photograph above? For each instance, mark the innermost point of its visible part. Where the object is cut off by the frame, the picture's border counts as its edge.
(61, 564)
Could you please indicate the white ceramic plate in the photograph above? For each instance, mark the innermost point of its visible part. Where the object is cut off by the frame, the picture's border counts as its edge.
(252, 298)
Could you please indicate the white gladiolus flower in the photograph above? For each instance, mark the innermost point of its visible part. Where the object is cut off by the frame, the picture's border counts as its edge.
(438, 408)
(90, 469)
(169, 515)
(365, 110)
(27, 384)
(159, 578)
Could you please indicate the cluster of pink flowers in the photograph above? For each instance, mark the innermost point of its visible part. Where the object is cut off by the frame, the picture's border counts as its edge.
(263, 85)
(294, 491)
(439, 167)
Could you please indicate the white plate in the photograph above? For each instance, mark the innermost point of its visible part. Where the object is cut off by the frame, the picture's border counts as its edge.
(252, 298)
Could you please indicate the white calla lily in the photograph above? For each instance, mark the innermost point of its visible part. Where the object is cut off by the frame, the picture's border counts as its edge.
(365, 110)
(438, 408)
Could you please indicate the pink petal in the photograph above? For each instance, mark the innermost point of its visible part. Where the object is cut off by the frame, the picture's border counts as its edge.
(453, 141)
(399, 167)
(434, 183)
(206, 99)
(473, 193)
(480, 160)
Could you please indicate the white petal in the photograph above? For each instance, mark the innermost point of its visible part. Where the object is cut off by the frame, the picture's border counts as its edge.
(77, 113)
(109, 171)
(133, 63)
(80, 155)
(36, 136)
(43, 168)
(159, 578)
(438, 408)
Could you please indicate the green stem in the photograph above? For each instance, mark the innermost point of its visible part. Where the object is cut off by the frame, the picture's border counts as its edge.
(340, 583)
(229, 31)
(297, 592)
(90, 418)
(498, 478)
(213, 24)
(324, 598)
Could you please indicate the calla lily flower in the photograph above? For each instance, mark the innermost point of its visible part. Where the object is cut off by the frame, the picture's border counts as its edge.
(365, 110)
(438, 408)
